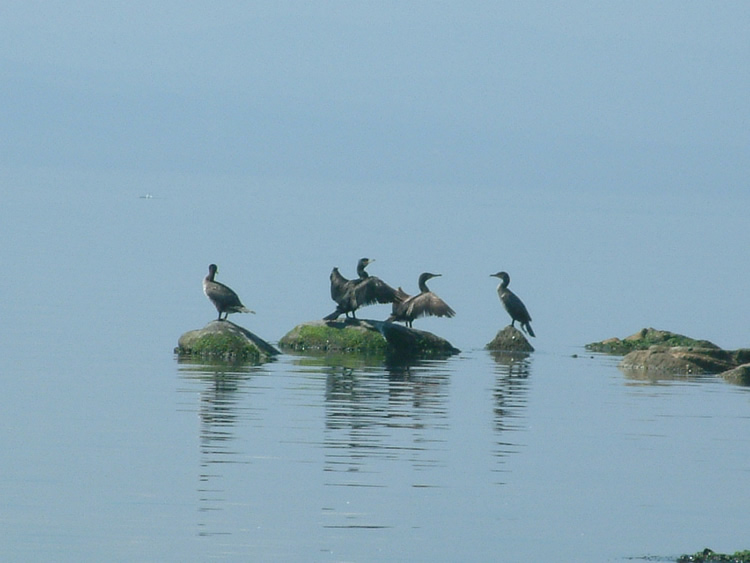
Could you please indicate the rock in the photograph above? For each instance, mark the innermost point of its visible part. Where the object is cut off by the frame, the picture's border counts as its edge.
(710, 556)
(644, 339)
(349, 335)
(739, 375)
(510, 339)
(407, 341)
(225, 340)
(367, 336)
(742, 356)
(679, 359)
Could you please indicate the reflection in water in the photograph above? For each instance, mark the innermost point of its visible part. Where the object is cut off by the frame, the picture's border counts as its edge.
(223, 390)
(376, 416)
(509, 397)
(652, 377)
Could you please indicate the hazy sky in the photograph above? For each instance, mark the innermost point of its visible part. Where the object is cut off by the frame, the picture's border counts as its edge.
(564, 94)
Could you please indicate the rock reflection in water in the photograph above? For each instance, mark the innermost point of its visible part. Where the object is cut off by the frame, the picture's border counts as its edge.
(376, 416)
(509, 400)
(222, 406)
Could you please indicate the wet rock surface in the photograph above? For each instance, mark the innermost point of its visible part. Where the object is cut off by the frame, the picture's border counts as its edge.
(360, 335)
(679, 359)
(510, 339)
(668, 352)
(225, 340)
(644, 339)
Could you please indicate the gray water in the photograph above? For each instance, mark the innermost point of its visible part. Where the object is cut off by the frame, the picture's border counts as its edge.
(115, 450)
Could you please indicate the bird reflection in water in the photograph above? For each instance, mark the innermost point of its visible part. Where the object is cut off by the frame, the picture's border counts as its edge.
(374, 414)
(509, 396)
(222, 390)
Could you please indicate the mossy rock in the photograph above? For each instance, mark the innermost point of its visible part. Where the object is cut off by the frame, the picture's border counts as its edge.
(510, 339)
(225, 340)
(365, 336)
(350, 335)
(644, 339)
(710, 556)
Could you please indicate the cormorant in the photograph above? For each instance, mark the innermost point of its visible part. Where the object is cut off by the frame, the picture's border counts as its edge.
(406, 308)
(350, 295)
(515, 307)
(224, 299)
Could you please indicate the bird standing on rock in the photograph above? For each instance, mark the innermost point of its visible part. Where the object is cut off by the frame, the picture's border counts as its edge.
(224, 299)
(406, 308)
(515, 307)
(350, 295)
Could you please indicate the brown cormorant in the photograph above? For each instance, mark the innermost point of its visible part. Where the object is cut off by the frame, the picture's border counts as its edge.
(350, 295)
(515, 307)
(406, 308)
(224, 299)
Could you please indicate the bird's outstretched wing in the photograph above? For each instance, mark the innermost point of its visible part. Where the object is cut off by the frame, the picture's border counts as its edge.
(339, 285)
(426, 304)
(373, 290)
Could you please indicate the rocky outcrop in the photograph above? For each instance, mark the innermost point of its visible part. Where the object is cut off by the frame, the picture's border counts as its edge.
(365, 336)
(644, 339)
(667, 352)
(510, 339)
(679, 359)
(407, 341)
(710, 556)
(739, 375)
(225, 340)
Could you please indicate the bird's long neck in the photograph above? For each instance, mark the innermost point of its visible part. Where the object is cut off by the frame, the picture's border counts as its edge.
(210, 276)
(423, 286)
(361, 271)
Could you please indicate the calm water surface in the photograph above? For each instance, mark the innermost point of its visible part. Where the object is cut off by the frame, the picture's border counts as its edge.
(117, 451)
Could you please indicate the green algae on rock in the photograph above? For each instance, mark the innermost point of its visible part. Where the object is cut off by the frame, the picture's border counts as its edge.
(667, 352)
(350, 335)
(510, 339)
(644, 339)
(365, 336)
(710, 556)
(225, 340)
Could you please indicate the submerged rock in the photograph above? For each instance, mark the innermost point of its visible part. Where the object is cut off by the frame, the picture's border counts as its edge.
(644, 339)
(367, 336)
(225, 340)
(510, 339)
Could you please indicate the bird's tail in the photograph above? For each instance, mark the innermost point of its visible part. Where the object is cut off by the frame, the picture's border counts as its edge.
(246, 310)
(529, 330)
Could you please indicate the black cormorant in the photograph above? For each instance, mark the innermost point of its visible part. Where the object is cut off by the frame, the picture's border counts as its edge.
(224, 299)
(406, 308)
(515, 307)
(350, 295)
